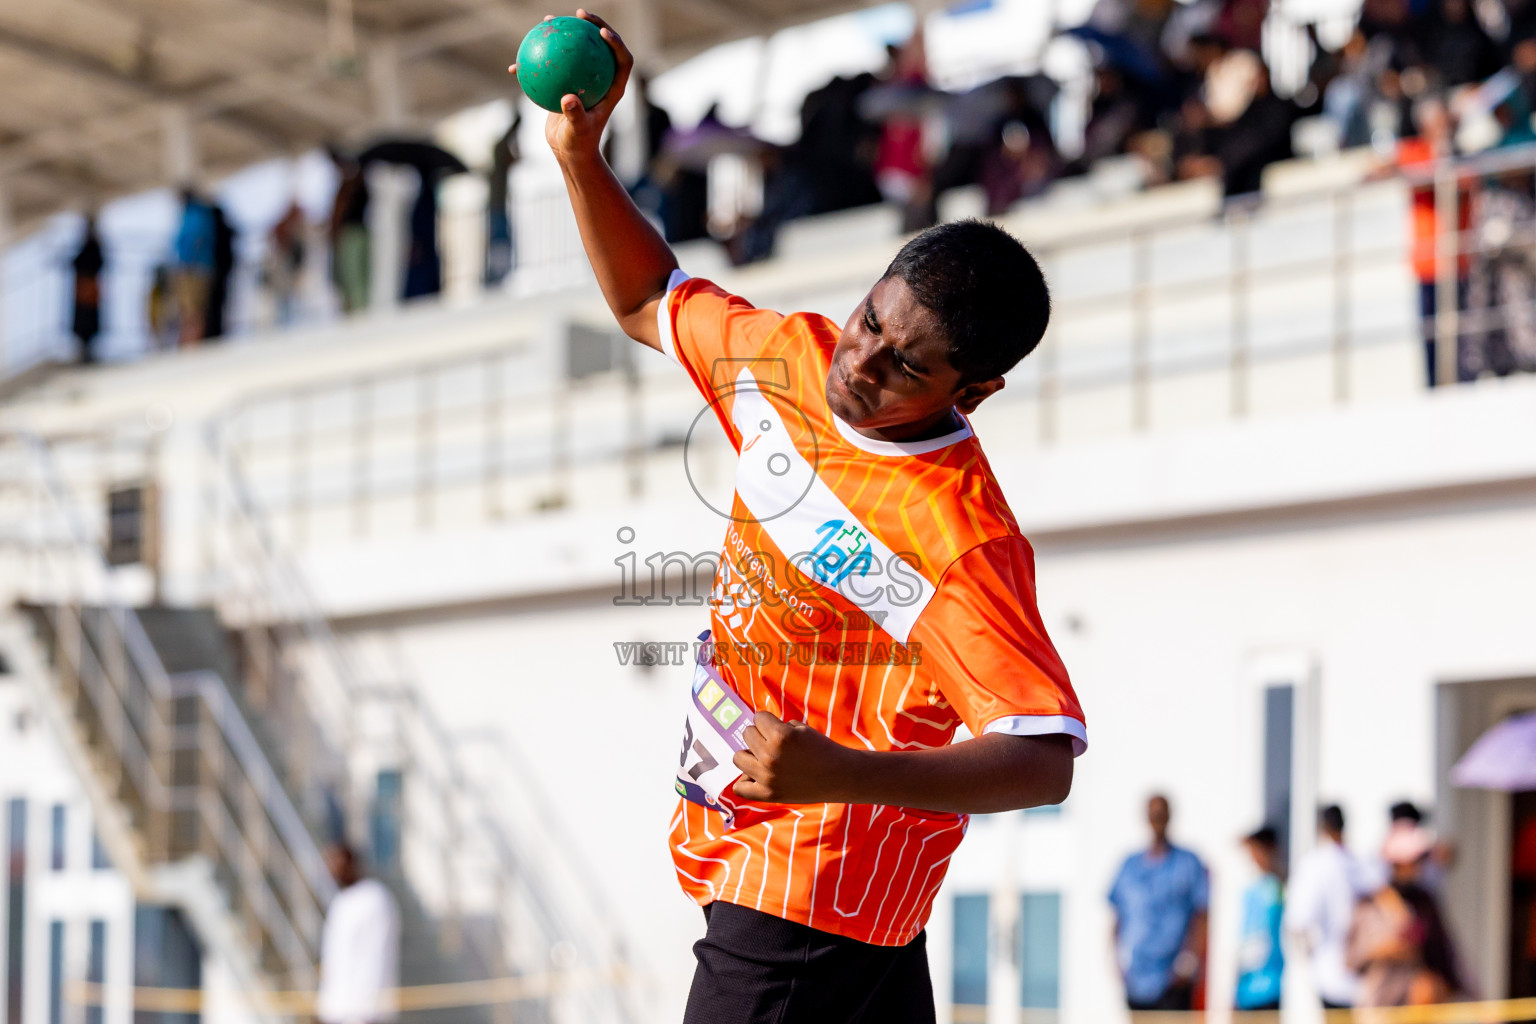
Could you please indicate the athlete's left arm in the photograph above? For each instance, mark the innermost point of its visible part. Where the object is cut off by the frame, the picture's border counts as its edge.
(791, 763)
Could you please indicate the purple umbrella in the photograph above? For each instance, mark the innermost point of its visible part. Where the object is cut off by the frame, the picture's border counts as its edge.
(1503, 758)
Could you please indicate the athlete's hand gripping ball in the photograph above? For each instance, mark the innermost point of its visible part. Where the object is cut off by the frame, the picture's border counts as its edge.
(790, 763)
(574, 130)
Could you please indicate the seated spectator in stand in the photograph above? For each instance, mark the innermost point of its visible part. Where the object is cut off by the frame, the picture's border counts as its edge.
(88, 264)
(1022, 164)
(1456, 45)
(829, 167)
(1238, 128)
(1260, 953)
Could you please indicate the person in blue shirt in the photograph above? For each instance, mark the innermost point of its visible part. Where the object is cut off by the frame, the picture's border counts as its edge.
(1160, 899)
(194, 257)
(1260, 958)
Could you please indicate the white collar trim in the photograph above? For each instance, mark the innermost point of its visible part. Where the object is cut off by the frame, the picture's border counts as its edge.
(875, 447)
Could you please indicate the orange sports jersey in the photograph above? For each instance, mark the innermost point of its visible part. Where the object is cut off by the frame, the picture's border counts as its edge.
(879, 592)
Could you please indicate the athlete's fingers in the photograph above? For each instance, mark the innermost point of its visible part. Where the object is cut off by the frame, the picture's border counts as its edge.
(750, 766)
(755, 741)
(769, 724)
(746, 789)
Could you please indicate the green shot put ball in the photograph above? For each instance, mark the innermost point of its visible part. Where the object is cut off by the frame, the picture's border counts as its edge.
(565, 55)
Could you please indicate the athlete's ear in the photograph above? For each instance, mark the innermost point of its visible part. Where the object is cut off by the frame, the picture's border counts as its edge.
(974, 394)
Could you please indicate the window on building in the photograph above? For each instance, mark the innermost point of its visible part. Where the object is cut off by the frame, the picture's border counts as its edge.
(56, 972)
(58, 837)
(1040, 950)
(384, 823)
(99, 859)
(970, 954)
(96, 970)
(1279, 728)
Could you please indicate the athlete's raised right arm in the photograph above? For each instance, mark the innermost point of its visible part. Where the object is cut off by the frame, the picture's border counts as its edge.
(631, 259)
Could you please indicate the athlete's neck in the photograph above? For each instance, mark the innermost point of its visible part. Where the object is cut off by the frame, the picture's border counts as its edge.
(946, 422)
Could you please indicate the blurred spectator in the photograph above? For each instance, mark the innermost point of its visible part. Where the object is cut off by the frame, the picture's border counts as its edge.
(1246, 126)
(88, 263)
(1398, 940)
(359, 947)
(999, 138)
(1321, 903)
(829, 167)
(1353, 100)
(1501, 287)
(1421, 153)
(215, 325)
(1456, 45)
(161, 308)
(500, 256)
(194, 255)
(901, 162)
(283, 262)
(1405, 816)
(1160, 898)
(351, 261)
(1260, 952)
(423, 261)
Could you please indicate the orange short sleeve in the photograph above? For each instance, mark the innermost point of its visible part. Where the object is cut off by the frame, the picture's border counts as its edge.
(711, 332)
(987, 649)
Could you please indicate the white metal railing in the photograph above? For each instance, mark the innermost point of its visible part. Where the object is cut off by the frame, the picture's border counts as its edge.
(174, 751)
(480, 850)
(469, 858)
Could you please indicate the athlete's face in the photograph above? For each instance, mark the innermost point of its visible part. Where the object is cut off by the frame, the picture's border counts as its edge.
(890, 375)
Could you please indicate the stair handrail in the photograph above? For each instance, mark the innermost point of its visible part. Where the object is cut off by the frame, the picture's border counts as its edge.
(275, 802)
(302, 609)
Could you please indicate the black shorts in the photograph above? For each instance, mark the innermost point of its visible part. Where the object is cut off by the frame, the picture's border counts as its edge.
(755, 968)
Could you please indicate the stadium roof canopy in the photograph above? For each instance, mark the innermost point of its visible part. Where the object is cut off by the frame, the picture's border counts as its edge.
(109, 97)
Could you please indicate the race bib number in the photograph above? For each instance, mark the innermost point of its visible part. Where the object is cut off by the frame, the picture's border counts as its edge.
(712, 733)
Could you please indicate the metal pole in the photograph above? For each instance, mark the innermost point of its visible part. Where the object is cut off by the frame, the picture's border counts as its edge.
(1141, 331)
(1447, 249)
(361, 457)
(1238, 225)
(1050, 388)
(496, 384)
(1343, 211)
(426, 398)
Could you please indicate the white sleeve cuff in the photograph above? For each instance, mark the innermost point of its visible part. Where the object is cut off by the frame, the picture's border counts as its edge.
(1041, 725)
(664, 316)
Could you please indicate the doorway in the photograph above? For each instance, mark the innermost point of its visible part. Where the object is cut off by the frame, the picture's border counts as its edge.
(1491, 887)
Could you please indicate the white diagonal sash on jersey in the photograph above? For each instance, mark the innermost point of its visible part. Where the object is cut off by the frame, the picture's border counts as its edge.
(832, 545)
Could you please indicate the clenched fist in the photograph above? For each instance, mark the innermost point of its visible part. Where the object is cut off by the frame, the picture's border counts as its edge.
(791, 763)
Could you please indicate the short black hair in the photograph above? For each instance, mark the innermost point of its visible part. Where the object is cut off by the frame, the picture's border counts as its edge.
(1265, 836)
(1332, 818)
(986, 290)
(1405, 810)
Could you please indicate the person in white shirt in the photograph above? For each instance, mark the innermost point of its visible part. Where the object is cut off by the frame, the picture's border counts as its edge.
(359, 947)
(1320, 905)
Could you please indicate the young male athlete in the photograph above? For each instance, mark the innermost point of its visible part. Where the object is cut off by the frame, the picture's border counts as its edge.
(874, 593)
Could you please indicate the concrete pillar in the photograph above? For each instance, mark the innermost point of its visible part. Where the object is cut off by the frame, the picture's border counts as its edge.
(180, 141)
(389, 188)
(1004, 978)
